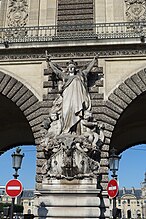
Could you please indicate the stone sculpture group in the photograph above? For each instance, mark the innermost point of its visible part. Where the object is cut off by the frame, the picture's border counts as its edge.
(72, 138)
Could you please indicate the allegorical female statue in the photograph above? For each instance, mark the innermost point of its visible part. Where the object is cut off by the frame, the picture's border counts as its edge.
(74, 99)
(71, 144)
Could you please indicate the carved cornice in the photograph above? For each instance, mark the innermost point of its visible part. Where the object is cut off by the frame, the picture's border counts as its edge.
(105, 53)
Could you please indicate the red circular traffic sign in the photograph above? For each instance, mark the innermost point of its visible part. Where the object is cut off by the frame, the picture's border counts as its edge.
(112, 188)
(13, 188)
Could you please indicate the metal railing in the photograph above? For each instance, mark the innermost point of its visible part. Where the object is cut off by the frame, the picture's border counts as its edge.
(98, 31)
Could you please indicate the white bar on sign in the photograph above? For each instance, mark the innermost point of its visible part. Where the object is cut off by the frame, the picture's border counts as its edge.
(112, 188)
(13, 188)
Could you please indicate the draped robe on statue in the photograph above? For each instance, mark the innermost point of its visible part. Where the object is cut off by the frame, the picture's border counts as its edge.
(75, 97)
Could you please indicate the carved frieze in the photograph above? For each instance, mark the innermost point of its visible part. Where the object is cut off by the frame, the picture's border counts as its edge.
(135, 10)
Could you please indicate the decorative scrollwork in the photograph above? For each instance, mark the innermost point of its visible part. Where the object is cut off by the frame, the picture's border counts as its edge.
(17, 16)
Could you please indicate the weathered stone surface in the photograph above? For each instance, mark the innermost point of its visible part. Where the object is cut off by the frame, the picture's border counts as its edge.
(4, 82)
(9, 86)
(28, 103)
(122, 96)
(19, 94)
(142, 75)
(14, 90)
(115, 99)
(24, 98)
(127, 91)
(104, 162)
(139, 82)
(133, 86)
(113, 106)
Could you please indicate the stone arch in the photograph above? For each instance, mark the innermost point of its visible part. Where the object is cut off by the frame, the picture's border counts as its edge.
(127, 100)
(17, 101)
(125, 97)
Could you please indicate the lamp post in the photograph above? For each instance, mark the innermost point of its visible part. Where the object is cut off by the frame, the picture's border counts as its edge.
(16, 164)
(114, 166)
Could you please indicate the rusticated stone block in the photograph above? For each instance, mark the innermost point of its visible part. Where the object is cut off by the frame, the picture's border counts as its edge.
(105, 147)
(127, 90)
(4, 82)
(104, 162)
(14, 90)
(104, 169)
(105, 119)
(105, 177)
(24, 98)
(1, 76)
(96, 96)
(38, 169)
(142, 75)
(39, 178)
(28, 103)
(40, 155)
(36, 121)
(38, 186)
(139, 82)
(117, 100)
(34, 115)
(40, 162)
(9, 86)
(122, 96)
(133, 86)
(32, 108)
(19, 94)
(104, 154)
(113, 106)
(106, 111)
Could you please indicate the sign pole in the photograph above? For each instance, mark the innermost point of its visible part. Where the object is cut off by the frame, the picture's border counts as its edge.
(114, 208)
(12, 208)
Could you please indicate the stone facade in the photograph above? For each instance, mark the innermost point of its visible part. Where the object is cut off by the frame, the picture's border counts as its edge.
(116, 85)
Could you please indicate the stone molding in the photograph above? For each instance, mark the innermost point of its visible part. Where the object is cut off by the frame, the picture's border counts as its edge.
(105, 53)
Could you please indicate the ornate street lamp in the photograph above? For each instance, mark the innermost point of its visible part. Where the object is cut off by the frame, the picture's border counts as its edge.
(17, 161)
(114, 166)
(114, 162)
(16, 164)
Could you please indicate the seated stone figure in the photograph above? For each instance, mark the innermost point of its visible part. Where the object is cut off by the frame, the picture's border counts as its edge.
(89, 128)
(54, 127)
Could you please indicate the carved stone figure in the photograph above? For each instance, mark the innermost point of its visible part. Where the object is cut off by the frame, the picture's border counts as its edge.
(17, 16)
(75, 98)
(72, 140)
(136, 10)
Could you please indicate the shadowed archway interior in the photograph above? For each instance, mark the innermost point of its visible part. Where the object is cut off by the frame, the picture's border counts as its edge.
(131, 126)
(14, 127)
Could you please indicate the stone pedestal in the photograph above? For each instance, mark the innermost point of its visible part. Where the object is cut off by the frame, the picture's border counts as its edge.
(68, 199)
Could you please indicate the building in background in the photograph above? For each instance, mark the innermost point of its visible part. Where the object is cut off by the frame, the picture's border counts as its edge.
(131, 202)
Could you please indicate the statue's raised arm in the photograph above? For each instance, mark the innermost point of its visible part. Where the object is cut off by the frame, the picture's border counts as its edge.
(56, 69)
(90, 66)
